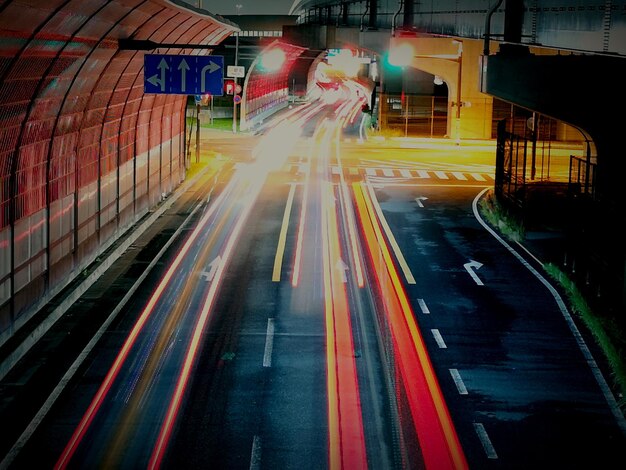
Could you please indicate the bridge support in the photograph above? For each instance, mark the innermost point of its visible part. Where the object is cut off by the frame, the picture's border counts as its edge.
(457, 63)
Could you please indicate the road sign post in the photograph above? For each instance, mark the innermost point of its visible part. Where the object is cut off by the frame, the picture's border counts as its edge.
(184, 74)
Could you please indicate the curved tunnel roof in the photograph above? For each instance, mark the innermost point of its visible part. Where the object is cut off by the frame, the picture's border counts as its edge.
(73, 120)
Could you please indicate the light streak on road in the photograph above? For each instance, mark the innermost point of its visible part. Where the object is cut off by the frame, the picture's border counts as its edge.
(215, 235)
(96, 402)
(392, 240)
(297, 264)
(345, 423)
(183, 378)
(433, 425)
(349, 211)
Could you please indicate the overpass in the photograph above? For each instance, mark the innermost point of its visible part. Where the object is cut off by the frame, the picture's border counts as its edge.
(558, 63)
(86, 155)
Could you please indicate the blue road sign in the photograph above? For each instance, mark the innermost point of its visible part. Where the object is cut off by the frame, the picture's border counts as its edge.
(183, 74)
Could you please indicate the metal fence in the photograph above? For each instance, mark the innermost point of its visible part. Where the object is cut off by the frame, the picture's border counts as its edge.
(414, 115)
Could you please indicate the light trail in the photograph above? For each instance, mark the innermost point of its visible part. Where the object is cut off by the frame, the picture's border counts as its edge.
(183, 378)
(345, 422)
(349, 211)
(392, 240)
(96, 402)
(433, 425)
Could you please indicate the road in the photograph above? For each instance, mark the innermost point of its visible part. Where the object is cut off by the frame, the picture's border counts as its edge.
(323, 303)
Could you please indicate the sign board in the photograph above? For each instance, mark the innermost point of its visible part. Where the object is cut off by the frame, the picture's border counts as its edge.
(235, 71)
(183, 74)
(237, 99)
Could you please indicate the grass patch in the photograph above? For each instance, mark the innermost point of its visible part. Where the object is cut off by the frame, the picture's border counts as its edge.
(607, 335)
(498, 217)
(224, 124)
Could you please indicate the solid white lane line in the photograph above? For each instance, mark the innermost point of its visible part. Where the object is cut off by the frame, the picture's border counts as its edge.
(269, 343)
(255, 455)
(423, 306)
(485, 441)
(458, 381)
(438, 339)
(591, 362)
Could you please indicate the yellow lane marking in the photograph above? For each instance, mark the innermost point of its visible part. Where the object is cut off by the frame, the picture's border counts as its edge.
(282, 239)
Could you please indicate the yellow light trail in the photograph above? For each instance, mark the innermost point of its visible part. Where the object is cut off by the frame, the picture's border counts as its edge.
(392, 240)
(345, 421)
(439, 442)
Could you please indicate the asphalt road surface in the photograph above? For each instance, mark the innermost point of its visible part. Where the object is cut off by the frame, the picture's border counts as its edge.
(318, 302)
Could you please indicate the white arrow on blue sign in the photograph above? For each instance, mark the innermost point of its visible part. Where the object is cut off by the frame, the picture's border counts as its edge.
(183, 74)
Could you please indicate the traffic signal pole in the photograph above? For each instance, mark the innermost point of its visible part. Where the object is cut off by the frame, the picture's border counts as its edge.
(235, 85)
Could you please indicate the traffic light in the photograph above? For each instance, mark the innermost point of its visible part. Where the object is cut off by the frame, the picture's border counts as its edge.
(229, 87)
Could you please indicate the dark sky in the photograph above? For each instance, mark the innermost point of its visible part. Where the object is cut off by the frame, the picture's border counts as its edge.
(248, 7)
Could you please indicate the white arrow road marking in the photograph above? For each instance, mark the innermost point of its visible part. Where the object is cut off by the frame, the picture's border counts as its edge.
(183, 67)
(213, 265)
(342, 268)
(420, 199)
(470, 267)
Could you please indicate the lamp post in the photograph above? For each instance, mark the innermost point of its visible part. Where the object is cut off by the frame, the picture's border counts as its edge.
(235, 84)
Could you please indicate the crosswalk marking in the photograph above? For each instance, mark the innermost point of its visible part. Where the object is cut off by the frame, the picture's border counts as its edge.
(402, 173)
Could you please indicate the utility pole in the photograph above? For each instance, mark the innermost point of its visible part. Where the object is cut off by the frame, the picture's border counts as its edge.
(198, 133)
(235, 84)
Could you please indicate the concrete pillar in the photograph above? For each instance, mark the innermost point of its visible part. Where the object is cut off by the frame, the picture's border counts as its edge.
(477, 109)
(443, 57)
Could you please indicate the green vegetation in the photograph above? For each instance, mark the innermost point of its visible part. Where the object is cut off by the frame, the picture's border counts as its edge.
(604, 331)
(608, 336)
(499, 218)
(224, 124)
